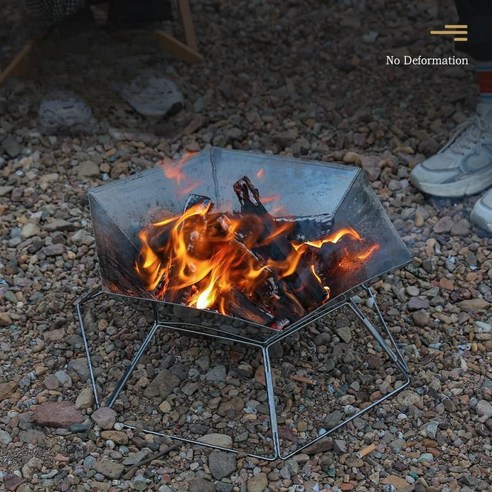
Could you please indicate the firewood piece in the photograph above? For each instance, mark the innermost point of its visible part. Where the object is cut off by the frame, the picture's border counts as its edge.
(240, 306)
(306, 287)
(309, 227)
(302, 283)
(270, 290)
(194, 199)
(261, 230)
(249, 197)
(286, 305)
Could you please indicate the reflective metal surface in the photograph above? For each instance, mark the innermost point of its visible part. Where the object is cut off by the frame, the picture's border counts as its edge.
(296, 187)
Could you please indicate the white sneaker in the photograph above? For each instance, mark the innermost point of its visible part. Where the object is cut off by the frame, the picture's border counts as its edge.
(464, 165)
(482, 212)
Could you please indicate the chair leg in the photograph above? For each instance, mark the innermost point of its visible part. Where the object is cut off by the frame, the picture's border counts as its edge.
(187, 51)
(187, 23)
(18, 66)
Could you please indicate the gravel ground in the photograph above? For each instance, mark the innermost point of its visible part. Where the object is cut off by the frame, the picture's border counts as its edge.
(291, 78)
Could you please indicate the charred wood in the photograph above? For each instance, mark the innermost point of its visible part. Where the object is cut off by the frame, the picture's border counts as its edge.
(307, 228)
(240, 306)
(273, 245)
(194, 199)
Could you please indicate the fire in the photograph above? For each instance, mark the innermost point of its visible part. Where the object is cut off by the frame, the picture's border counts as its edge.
(332, 238)
(204, 259)
(247, 264)
(211, 262)
(174, 170)
(367, 254)
(271, 198)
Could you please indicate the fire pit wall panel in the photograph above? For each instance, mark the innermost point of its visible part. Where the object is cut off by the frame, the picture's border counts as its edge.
(288, 187)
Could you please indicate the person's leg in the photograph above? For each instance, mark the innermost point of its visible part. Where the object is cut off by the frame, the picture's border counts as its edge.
(464, 166)
(481, 213)
(477, 15)
(43, 14)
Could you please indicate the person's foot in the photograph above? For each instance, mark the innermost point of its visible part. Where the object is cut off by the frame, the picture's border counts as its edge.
(482, 212)
(464, 165)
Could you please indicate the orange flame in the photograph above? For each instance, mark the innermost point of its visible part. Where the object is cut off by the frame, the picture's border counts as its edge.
(368, 253)
(174, 170)
(196, 256)
(271, 198)
(203, 256)
(333, 238)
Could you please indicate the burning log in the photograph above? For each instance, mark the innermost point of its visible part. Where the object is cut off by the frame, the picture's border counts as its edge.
(249, 197)
(267, 270)
(194, 199)
(240, 306)
(274, 244)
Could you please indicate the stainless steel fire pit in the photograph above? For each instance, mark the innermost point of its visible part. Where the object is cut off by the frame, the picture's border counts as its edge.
(301, 189)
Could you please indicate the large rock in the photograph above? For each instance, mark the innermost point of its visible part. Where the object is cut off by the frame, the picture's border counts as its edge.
(87, 169)
(5, 438)
(135, 458)
(29, 230)
(221, 464)
(119, 437)
(258, 483)
(104, 417)
(216, 374)
(5, 319)
(85, 399)
(484, 408)
(80, 367)
(320, 447)
(408, 397)
(56, 249)
(58, 414)
(11, 146)
(59, 225)
(162, 385)
(217, 440)
(54, 335)
(109, 469)
(333, 419)
(5, 190)
(201, 485)
(398, 483)
(231, 407)
(150, 94)
(64, 111)
(474, 304)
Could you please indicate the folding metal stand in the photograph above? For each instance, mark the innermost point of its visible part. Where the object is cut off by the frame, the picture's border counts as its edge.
(389, 347)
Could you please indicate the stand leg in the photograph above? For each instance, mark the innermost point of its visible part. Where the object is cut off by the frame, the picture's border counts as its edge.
(386, 328)
(271, 401)
(91, 295)
(128, 372)
(393, 353)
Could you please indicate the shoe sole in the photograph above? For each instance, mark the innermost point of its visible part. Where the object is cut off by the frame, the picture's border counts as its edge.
(465, 187)
(479, 214)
